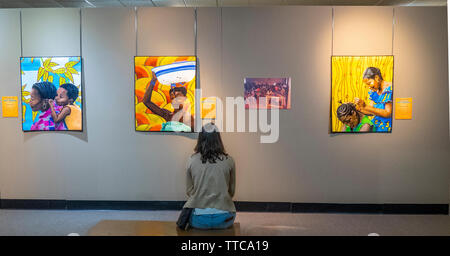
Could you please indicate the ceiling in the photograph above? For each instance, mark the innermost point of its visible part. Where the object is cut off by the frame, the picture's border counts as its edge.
(206, 3)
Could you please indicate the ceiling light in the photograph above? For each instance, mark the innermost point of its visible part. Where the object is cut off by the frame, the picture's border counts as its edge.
(89, 3)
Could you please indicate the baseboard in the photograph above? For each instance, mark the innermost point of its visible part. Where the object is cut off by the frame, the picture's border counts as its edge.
(241, 206)
(123, 205)
(32, 204)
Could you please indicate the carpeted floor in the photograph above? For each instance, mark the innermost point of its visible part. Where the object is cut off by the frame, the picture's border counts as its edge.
(61, 223)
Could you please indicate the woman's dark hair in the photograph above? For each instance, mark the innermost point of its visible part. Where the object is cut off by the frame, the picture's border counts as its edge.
(209, 144)
(345, 109)
(46, 89)
(179, 89)
(72, 91)
(371, 72)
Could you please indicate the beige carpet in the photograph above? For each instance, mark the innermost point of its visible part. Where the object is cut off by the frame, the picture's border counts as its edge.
(61, 223)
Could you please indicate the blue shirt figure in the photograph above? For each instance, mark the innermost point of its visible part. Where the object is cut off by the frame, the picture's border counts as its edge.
(382, 124)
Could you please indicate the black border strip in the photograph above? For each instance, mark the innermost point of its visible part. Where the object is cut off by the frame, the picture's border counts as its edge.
(32, 204)
(241, 206)
(124, 205)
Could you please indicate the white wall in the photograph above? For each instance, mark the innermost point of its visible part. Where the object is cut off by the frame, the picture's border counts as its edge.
(363, 30)
(51, 32)
(110, 161)
(9, 73)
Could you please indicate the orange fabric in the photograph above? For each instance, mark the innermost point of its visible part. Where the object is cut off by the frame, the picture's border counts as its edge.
(73, 121)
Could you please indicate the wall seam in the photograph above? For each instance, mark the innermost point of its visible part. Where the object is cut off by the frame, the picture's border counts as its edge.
(81, 35)
(197, 120)
(135, 29)
(332, 31)
(195, 31)
(21, 34)
(393, 29)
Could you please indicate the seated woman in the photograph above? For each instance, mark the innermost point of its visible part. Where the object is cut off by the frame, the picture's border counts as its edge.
(211, 179)
(353, 120)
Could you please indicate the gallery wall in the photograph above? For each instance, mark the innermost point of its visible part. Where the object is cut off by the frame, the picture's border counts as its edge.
(110, 161)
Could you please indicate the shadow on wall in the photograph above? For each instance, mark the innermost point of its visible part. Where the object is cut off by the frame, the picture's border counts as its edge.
(79, 135)
(189, 135)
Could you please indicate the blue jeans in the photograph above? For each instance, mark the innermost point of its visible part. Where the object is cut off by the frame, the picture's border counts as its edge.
(213, 221)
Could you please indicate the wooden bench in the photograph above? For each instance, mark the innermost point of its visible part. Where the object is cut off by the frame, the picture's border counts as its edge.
(154, 228)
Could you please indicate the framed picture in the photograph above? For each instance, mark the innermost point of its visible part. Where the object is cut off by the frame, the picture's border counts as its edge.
(361, 94)
(165, 93)
(267, 93)
(51, 93)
